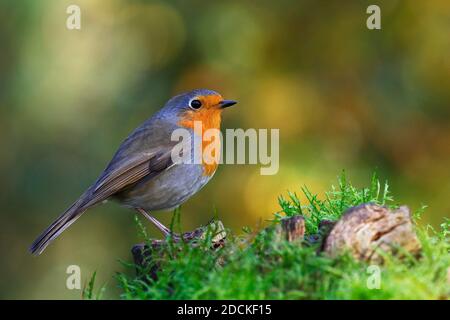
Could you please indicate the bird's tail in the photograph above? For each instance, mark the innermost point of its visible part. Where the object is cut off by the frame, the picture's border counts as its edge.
(58, 226)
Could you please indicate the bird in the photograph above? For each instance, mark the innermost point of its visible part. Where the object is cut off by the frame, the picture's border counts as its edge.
(142, 174)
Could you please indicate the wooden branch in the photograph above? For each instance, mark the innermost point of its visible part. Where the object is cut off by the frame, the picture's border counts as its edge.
(142, 252)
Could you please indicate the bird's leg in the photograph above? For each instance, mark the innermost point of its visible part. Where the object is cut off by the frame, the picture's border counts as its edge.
(166, 231)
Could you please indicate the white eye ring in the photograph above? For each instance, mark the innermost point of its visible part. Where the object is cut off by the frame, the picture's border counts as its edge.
(195, 104)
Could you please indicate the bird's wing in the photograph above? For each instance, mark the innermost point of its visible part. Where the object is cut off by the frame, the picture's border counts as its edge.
(137, 158)
(129, 172)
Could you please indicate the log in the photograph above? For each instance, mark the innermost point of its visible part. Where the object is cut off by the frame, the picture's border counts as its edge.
(290, 229)
(367, 229)
(142, 252)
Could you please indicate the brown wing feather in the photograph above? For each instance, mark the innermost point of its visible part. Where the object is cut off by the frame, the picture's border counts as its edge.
(129, 173)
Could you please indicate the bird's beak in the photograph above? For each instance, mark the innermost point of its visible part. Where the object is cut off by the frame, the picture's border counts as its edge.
(227, 103)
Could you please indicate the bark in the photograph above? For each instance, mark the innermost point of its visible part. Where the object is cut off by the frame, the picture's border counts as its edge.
(143, 253)
(368, 230)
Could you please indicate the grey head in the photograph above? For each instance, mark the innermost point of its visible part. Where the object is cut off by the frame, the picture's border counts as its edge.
(183, 102)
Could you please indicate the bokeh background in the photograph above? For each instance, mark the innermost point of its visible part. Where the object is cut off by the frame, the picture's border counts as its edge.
(343, 97)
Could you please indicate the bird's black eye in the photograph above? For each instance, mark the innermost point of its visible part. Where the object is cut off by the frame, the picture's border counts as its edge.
(195, 104)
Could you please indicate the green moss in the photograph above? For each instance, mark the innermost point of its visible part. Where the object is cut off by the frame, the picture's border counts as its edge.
(253, 266)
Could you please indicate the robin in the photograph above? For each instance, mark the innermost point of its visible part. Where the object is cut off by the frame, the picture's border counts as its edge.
(142, 174)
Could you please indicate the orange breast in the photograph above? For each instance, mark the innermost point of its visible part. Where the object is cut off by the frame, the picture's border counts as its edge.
(210, 119)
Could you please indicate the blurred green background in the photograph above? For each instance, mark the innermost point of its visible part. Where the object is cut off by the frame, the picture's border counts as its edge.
(343, 96)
